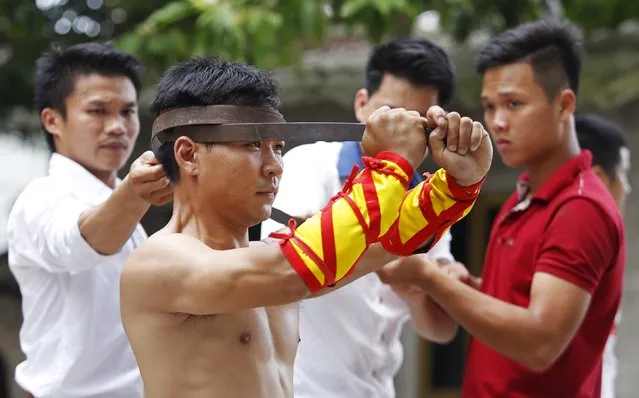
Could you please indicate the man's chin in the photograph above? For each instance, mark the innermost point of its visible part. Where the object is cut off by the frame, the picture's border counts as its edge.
(511, 161)
(261, 215)
(113, 164)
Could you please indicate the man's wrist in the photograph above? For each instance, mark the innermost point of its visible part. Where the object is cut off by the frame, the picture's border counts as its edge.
(468, 182)
(429, 276)
(132, 197)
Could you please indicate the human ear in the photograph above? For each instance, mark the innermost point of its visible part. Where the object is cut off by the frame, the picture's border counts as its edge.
(360, 101)
(186, 156)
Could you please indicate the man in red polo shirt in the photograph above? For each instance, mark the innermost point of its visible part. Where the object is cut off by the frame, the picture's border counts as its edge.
(553, 270)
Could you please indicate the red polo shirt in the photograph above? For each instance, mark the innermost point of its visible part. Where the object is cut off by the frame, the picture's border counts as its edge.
(570, 228)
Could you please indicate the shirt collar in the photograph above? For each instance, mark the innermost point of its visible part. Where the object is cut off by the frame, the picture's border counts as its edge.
(558, 180)
(88, 186)
(350, 154)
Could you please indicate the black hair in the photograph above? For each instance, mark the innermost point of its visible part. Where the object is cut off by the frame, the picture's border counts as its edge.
(57, 70)
(553, 49)
(212, 81)
(603, 138)
(419, 61)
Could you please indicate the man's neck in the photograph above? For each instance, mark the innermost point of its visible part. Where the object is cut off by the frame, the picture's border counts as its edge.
(539, 171)
(209, 228)
(108, 178)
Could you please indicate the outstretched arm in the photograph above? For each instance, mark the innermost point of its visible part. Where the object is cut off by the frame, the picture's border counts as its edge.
(182, 275)
(73, 236)
(319, 254)
(107, 227)
(568, 271)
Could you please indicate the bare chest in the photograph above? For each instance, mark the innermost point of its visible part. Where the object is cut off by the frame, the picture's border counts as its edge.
(262, 333)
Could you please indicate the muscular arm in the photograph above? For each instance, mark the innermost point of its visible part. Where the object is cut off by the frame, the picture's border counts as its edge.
(534, 336)
(569, 268)
(179, 274)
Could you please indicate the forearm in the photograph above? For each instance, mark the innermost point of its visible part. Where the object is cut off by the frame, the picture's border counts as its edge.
(431, 322)
(513, 331)
(372, 260)
(328, 247)
(107, 227)
(428, 211)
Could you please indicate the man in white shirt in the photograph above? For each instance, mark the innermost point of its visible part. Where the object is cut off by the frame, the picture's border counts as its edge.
(358, 348)
(70, 232)
(611, 162)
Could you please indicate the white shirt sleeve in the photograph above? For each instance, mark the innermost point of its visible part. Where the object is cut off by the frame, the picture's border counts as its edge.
(308, 182)
(44, 232)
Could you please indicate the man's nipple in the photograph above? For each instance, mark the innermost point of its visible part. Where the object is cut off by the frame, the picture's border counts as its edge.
(245, 338)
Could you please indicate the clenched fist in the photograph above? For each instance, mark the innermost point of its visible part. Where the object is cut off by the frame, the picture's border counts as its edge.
(148, 180)
(459, 145)
(398, 131)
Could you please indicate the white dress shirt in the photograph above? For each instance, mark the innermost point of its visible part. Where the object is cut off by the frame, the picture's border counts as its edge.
(350, 339)
(72, 335)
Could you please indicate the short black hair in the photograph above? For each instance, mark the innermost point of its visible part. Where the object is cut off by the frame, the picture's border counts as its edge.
(210, 81)
(603, 138)
(419, 61)
(553, 49)
(56, 72)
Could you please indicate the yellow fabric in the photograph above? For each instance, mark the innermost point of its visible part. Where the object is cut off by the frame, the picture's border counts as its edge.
(413, 220)
(349, 236)
(350, 242)
(389, 207)
(310, 264)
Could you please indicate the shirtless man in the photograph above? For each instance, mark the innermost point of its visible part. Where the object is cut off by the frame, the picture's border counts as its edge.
(209, 316)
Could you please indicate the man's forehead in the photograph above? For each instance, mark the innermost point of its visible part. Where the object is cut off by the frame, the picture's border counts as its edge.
(397, 92)
(106, 99)
(508, 79)
(96, 84)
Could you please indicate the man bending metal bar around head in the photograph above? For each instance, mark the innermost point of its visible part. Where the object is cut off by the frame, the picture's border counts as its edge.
(208, 315)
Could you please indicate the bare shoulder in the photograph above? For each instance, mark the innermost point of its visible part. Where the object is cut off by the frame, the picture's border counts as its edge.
(264, 242)
(160, 255)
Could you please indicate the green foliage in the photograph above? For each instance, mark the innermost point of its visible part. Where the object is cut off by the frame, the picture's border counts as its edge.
(266, 33)
(26, 31)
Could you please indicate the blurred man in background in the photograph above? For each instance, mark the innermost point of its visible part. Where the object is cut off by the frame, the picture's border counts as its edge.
(611, 162)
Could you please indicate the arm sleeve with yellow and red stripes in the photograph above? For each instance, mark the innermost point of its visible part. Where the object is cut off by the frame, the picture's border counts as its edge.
(327, 246)
(430, 208)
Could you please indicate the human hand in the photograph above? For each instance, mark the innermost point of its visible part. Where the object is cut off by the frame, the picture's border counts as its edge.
(459, 145)
(398, 131)
(148, 180)
(457, 270)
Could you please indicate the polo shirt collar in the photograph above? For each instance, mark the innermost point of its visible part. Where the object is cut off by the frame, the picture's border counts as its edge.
(558, 180)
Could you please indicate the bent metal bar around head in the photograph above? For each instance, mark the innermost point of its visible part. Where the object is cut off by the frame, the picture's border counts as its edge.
(231, 123)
